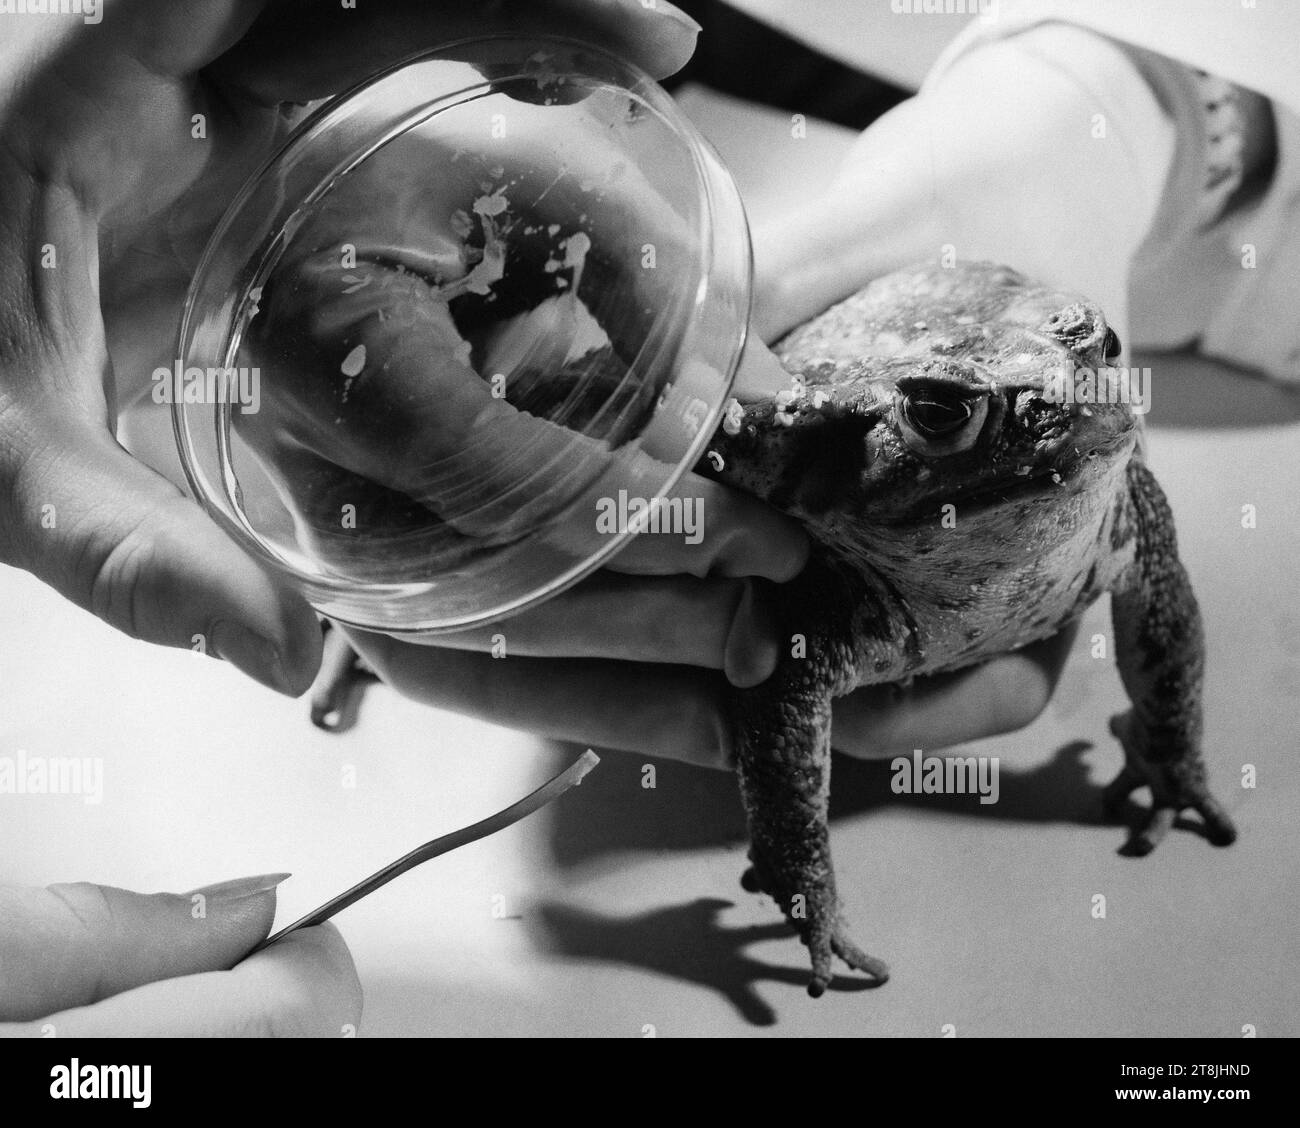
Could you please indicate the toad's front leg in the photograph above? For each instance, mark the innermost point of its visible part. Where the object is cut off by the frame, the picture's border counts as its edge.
(1161, 654)
(782, 732)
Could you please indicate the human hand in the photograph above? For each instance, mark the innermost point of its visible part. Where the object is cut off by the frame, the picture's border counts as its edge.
(91, 961)
(109, 199)
(681, 713)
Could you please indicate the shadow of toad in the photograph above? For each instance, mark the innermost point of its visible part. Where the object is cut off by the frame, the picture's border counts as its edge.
(687, 942)
(691, 807)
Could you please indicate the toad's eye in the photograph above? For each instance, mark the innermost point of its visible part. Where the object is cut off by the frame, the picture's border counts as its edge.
(937, 420)
(1112, 348)
(933, 417)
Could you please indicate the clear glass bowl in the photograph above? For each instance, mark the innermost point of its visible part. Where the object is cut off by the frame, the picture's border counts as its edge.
(464, 303)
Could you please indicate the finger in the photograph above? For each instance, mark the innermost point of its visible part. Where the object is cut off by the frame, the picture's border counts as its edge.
(753, 645)
(163, 38)
(703, 528)
(712, 624)
(125, 544)
(174, 39)
(739, 535)
(680, 713)
(73, 945)
(304, 986)
(1002, 695)
(671, 711)
(667, 620)
(759, 375)
(301, 50)
(136, 65)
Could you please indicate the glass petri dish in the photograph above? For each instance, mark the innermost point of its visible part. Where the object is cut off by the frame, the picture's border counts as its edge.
(466, 304)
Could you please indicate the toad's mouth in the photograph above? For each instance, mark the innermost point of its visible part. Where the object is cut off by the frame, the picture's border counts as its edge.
(1041, 480)
(1073, 470)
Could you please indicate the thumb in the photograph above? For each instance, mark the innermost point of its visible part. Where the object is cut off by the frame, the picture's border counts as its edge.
(72, 945)
(300, 50)
(123, 543)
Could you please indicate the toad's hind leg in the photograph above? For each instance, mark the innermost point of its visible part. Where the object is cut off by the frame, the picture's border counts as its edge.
(783, 762)
(1161, 655)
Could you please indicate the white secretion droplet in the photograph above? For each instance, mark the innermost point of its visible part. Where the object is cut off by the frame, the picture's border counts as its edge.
(354, 362)
(734, 417)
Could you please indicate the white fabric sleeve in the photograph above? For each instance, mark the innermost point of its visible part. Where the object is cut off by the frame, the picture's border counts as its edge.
(1226, 282)
(1082, 155)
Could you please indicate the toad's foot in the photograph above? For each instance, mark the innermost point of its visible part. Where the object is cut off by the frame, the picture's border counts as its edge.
(823, 930)
(1174, 786)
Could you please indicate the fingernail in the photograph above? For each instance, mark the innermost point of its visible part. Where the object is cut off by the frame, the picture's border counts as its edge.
(255, 655)
(752, 645)
(790, 554)
(239, 888)
(677, 15)
(786, 549)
